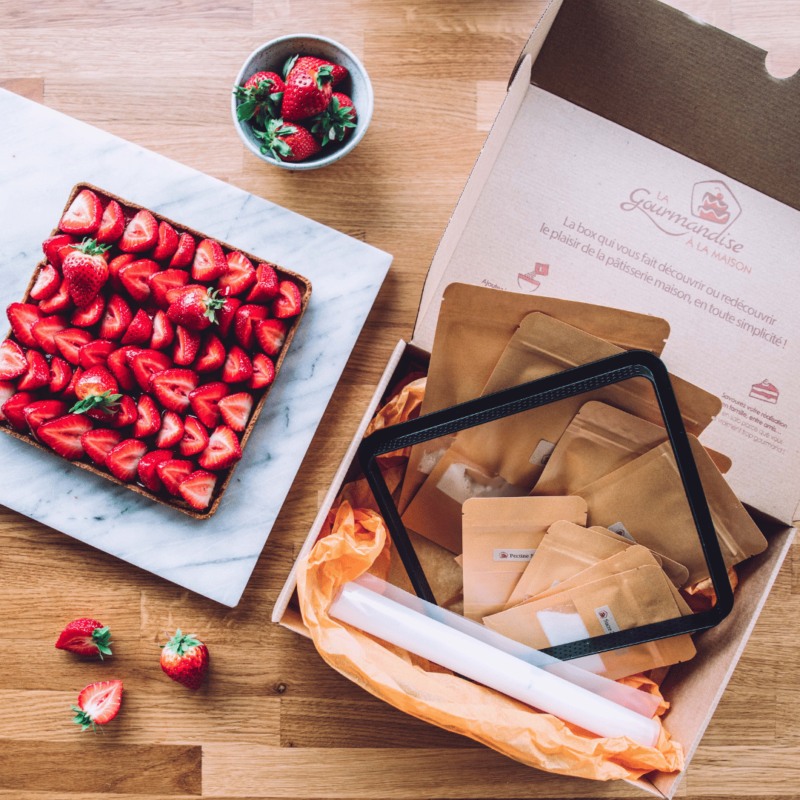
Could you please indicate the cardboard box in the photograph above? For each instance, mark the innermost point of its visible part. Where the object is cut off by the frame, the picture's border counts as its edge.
(631, 161)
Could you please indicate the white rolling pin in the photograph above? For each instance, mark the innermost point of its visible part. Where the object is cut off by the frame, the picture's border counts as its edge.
(461, 653)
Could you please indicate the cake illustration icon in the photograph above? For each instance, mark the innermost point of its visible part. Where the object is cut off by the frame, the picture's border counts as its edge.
(528, 282)
(714, 209)
(714, 202)
(764, 391)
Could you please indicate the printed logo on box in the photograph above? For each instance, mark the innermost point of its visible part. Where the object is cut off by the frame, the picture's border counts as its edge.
(512, 555)
(528, 281)
(764, 391)
(606, 619)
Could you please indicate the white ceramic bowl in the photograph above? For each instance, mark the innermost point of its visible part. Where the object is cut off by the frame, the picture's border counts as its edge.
(271, 57)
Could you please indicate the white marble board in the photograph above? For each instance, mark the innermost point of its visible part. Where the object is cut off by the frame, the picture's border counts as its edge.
(43, 154)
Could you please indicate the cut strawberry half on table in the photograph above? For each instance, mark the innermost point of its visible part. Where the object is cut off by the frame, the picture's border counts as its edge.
(243, 324)
(209, 261)
(139, 331)
(185, 252)
(134, 278)
(263, 372)
(117, 317)
(98, 704)
(266, 287)
(60, 301)
(289, 303)
(40, 411)
(198, 488)
(195, 437)
(204, 402)
(7, 390)
(241, 275)
(186, 345)
(173, 386)
(123, 459)
(45, 330)
(70, 341)
(96, 353)
(227, 314)
(12, 360)
(163, 332)
(112, 223)
(147, 469)
(114, 267)
(98, 443)
(126, 414)
(63, 435)
(47, 283)
(167, 242)
(23, 316)
(171, 431)
(173, 473)
(53, 246)
(235, 410)
(140, 234)
(163, 282)
(38, 373)
(211, 355)
(271, 334)
(60, 375)
(222, 451)
(14, 409)
(149, 420)
(145, 363)
(86, 637)
(90, 315)
(84, 214)
(237, 367)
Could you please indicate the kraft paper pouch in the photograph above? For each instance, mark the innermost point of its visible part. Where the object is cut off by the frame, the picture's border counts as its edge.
(500, 537)
(647, 497)
(476, 323)
(517, 447)
(599, 440)
(619, 601)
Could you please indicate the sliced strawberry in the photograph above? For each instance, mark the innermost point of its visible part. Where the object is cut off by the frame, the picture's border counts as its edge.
(70, 390)
(123, 459)
(211, 355)
(14, 410)
(47, 283)
(12, 360)
(235, 410)
(149, 420)
(98, 704)
(112, 224)
(118, 365)
(38, 373)
(83, 215)
(60, 375)
(173, 473)
(7, 390)
(134, 278)
(195, 437)
(243, 324)
(163, 332)
(167, 242)
(271, 334)
(45, 330)
(89, 315)
(99, 442)
(209, 261)
(41, 411)
(63, 434)
(126, 414)
(173, 386)
(116, 319)
(141, 233)
(288, 304)
(163, 282)
(53, 246)
(171, 431)
(197, 489)
(114, 267)
(222, 451)
(96, 353)
(186, 345)
(241, 275)
(185, 252)
(147, 362)
(204, 402)
(60, 301)
(238, 366)
(140, 330)
(227, 314)
(263, 372)
(23, 316)
(147, 469)
(267, 287)
(70, 341)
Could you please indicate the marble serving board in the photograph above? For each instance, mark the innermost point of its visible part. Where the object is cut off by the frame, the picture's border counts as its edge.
(43, 154)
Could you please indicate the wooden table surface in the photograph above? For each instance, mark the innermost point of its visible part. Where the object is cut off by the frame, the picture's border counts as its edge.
(272, 720)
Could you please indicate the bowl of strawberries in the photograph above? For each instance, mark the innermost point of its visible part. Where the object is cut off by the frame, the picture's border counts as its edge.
(302, 102)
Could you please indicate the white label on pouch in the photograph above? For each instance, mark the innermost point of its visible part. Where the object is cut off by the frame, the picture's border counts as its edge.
(512, 555)
(606, 619)
(541, 455)
(620, 529)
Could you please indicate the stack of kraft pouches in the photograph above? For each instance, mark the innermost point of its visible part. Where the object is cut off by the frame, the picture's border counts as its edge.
(569, 520)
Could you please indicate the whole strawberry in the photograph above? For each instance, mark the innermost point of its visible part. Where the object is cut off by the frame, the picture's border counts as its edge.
(308, 92)
(338, 73)
(261, 97)
(86, 637)
(336, 121)
(185, 659)
(195, 308)
(85, 271)
(287, 141)
(98, 394)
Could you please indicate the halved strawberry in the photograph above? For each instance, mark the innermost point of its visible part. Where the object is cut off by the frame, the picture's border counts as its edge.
(173, 473)
(96, 353)
(7, 390)
(243, 324)
(45, 330)
(116, 319)
(123, 459)
(23, 316)
(171, 431)
(38, 373)
(267, 287)
(70, 341)
(40, 411)
(241, 275)
(14, 410)
(134, 278)
(227, 314)
(86, 637)
(118, 365)
(99, 442)
(163, 282)
(89, 315)
(70, 390)
(222, 451)
(167, 242)
(147, 469)
(195, 437)
(53, 246)
(12, 360)
(98, 704)
(263, 372)
(204, 402)
(140, 329)
(140, 234)
(186, 345)
(173, 386)
(60, 301)
(163, 332)
(83, 215)
(114, 267)
(147, 362)
(209, 261)
(60, 375)
(235, 409)
(271, 334)
(149, 420)
(112, 224)
(238, 366)
(126, 414)
(48, 282)
(197, 489)
(211, 355)
(63, 434)
(288, 304)
(185, 252)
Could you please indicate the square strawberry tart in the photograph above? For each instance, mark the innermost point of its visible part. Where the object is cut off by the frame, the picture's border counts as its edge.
(143, 351)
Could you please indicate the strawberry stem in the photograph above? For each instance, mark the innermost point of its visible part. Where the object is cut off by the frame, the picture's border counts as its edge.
(106, 402)
(100, 636)
(91, 247)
